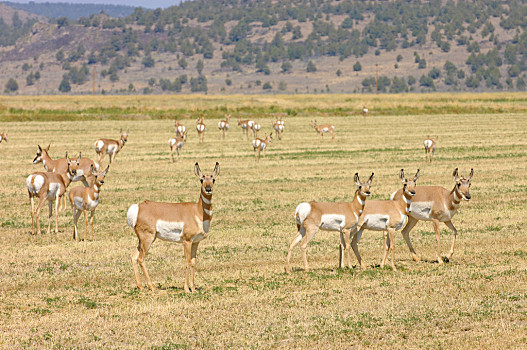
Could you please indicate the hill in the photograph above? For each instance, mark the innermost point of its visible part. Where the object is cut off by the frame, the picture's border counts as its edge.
(288, 46)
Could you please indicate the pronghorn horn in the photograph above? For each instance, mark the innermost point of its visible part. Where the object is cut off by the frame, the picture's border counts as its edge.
(371, 178)
(402, 176)
(471, 173)
(455, 175)
(216, 170)
(357, 180)
(106, 170)
(416, 175)
(67, 158)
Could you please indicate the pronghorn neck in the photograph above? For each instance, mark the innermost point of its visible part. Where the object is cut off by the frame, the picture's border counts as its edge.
(95, 190)
(360, 199)
(49, 164)
(205, 203)
(407, 200)
(455, 197)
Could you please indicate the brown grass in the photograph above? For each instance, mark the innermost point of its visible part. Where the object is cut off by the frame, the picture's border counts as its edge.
(56, 293)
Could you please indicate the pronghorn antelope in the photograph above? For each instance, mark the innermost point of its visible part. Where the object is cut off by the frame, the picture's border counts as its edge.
(364, 110)
(260, 145)
(3, 137)
(430, 147)
(388, 216)
(186, 223)
(342, 217)
(322, 129)
(245, 125)
(176, 144)
(49, 186)
(110, 147)
(84, 199)
(180, 128)
(223, 125)
(278, 126)
(200, 127)
(436, 204)
(255, 127)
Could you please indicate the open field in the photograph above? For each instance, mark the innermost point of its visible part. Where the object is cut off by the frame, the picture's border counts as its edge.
(56, 293)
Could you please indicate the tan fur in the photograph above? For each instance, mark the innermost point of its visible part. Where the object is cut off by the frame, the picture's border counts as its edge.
(180, 128)
(191, 214)
(278, 126)
(225, 123)
(442, 210)
(255, 127)
(351, 211)
(118, 144)
(244, 124)
(397, 210)
(178, 145)
(3, 137)
(429, 151)
(268, 139)
(201, 133)
(320, 130)
(88, 194)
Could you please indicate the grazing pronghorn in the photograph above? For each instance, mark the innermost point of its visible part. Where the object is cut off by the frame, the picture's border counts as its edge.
(322, 129)
(176, 144)
(180, 128)
(430, 148)
(3, 137)
(388, 216)
(245, 125)
(200, 127)
(260, 145)
(255, 127)
(84, 199)
(278, 126)
(342, 217)
(364, 110)
(186, 223)
(49, 186)
(436, 204)
(110, 147)
(223, 125)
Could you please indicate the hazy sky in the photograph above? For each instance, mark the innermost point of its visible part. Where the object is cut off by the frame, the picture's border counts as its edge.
(146, 4)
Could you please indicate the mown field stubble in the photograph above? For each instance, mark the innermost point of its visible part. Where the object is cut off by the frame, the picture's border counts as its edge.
(58, 293)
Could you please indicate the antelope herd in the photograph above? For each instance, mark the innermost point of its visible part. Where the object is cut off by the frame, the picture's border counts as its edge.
(190, 223)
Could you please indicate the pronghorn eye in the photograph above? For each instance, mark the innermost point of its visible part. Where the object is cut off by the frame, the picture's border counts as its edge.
(458, 185)
(201, 180)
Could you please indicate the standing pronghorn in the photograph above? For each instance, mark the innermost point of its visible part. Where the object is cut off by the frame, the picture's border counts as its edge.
(322, 129)
(223, 125)
(388, 216)
(365, 110)
(279, 126)
(84, 199)
(49, 186)
(176, 144)
(186, 223)
(259, 145)
(342, 217)
(255, 127)
(200, 127)
(3, 137)
(180, 128)
(430, 147)
(112, 147)
(436, 204)
(245, 125)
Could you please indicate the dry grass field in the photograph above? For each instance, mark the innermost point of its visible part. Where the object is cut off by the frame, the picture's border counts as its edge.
(57, 293)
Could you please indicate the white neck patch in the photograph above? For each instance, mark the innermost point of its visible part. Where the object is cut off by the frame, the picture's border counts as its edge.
(205, 200)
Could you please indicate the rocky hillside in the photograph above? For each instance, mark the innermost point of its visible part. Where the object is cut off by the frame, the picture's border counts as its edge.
(291, 46)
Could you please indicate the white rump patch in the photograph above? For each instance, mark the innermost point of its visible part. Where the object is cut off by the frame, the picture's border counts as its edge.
(428, 143)
(169, 231)
(421, 210)
(34, 183)
(376, 222)
(250, 123)
(112, 148)
(200, 127)
(99, 144)
(301, 212)
(54, 188)
(171, 142)
(131, 215)
(332, 222)
(256, 143)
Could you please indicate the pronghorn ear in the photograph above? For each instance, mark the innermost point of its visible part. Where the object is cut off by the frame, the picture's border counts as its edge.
(47, 148)
(455, 175)
(80, 156)
(357, 181)
(197, 170)
(67, 158)
(216, 170)
(92, 168)
(402, 176)
(471, 173)
(39, 148)
(371, 178)
(416, 175)
(105, 170)
(121, 131)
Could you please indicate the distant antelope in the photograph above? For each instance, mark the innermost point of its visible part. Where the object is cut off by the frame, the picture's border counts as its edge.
(176, 144)
(436, 204)
(200, 127)
(255, 127)
(388, 216)
(180, 128)
(364, 110)
(341, 216)
(86, 199)
(3, 137)
(260, 145)
(245, 125)
(430, 147)
(49, 186)
(223, 125)
(322, 129)
(279, 126)
(186, 223)
(110, 147)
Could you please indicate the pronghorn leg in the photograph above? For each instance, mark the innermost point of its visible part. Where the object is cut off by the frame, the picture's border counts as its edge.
(85, 225)
(50, 214)
(311, 230)
(172, 154)
(406, 235)
(386, 244)
(454, 231)
(356, 237)
(92, 213)
(296, 239)
(57, 212)
(32, 201)
(345, 246)
(432, 154)
(37, 213)
(332, 136)
(341, 249)
(438, 236)
(76, 214)
(187, 247)
(391, 235)
(139, 256)
(193, 253)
